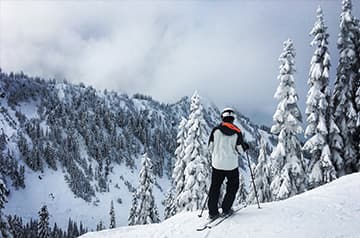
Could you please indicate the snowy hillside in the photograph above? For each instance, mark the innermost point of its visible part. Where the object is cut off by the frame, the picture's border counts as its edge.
(330, 211)
(80, 148)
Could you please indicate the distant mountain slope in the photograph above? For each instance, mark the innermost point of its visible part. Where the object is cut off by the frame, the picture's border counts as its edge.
(332, 210)
(58, 138)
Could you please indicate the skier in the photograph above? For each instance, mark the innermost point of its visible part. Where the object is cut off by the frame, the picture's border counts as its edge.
(225, 144)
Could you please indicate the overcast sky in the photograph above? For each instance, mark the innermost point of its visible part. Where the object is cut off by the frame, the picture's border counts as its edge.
(226, 50)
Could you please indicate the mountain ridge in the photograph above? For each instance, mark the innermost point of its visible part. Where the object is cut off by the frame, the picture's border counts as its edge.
(90, 138)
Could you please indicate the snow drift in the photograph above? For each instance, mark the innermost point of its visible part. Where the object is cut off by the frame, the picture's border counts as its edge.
(332, 210)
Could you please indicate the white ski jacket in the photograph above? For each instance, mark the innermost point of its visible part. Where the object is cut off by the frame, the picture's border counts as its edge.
(225, 144)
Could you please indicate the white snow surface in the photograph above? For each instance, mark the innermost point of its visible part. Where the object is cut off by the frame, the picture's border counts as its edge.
(332, 210)
(50, 188)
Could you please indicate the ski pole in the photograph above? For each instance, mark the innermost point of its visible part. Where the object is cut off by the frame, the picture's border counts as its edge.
(253, 182)
(202, 210)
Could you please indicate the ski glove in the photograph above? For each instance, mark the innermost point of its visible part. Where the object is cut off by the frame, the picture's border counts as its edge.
(245, 146)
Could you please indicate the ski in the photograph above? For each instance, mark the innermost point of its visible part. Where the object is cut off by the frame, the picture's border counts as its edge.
(206, 224)
(212, 223)
(218, 221)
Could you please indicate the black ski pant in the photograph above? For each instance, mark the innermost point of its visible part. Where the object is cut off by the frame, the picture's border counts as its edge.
(232, 186)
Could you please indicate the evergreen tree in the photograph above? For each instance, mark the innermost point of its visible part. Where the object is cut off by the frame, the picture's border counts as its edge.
(289, 178)
(343, 107)
(82, 229)
(133, 215)
(31, 228)
(178, 177)
(356, 93)
(319, 119)
(197, 171)
(15, 226)
(4, 227)
(22, 176)
(75, 232)
(70, 228)
(262, 177)
(49, 155)
(43, 225)
(3, 193)
(170, 205)
(242, 194)
(112, 216)
(100, 226)
(3, 141)
(78, 182)
(146, 211)
(56, 232)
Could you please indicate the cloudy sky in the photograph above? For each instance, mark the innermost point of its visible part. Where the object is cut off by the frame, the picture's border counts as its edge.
(226, 50)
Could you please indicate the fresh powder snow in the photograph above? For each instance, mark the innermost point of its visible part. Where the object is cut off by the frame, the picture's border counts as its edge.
(50, 188)
(332, 210)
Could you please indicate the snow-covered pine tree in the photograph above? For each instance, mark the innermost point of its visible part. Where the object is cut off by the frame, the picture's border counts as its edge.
(133, 216)
(99, 227)
(70, 228)
(289, 178)
(43, 225)
(112, 216)
(16, 226)
(56, 232)
(4, 227)
(3, 141)
(74, 231)
(242, 194)
(3, 194)
(197, 171)
(146, 211)
(342, 104)
(82, 229)
(356, 93)
(262, 174)
(170, 205)
(30, 228)
(319, 119)
(178, 177)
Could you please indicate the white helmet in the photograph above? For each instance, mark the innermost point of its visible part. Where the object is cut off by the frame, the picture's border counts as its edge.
(227, 112)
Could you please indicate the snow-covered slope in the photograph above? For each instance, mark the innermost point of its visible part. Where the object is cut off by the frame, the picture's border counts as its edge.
(80, 148)
(332, 210)
(50, 188)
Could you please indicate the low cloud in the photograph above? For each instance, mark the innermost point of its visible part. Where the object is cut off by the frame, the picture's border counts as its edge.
(228, 51)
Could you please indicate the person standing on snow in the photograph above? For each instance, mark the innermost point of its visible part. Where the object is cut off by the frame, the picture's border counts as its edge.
(225, 144)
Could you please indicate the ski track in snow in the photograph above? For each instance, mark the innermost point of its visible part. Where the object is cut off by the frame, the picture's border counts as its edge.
(330, 211)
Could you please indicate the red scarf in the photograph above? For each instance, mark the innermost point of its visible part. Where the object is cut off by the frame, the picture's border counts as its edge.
(231, 126)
